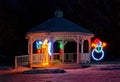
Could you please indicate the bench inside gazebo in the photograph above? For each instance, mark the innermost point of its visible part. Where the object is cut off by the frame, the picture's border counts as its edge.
(57, 42)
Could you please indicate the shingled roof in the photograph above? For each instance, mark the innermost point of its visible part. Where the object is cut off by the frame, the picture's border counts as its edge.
(58, 24)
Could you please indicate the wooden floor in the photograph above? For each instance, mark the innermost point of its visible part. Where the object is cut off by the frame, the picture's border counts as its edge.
(59, 65)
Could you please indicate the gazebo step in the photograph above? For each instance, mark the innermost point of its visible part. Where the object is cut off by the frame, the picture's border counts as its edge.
(39, 65)
(68, 66)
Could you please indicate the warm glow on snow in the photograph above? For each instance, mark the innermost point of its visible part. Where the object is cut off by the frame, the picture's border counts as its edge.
(45, 63)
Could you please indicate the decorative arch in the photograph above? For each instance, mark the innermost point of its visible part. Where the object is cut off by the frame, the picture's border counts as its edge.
(70, 50)
(37, 46)
(56, 47)
(70, 47)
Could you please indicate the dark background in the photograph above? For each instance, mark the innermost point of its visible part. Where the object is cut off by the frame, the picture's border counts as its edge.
(98, 16)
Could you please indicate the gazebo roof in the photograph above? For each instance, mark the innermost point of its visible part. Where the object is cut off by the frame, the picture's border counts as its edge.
(58, 24)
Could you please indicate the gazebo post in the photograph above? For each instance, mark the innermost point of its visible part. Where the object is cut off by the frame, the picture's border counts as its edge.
(78, 55)
(82, 41)
(30, 46)
(89, 41)
(82, 46)
(63, 51)
(52, 52)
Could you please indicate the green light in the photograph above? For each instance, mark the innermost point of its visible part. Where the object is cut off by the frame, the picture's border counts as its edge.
(99, 49)
(61, 46)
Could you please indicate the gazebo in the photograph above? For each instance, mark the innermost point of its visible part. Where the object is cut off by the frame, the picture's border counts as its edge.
(49, 43)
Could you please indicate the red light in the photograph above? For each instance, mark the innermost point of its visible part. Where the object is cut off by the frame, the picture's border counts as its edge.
(39, 51)
(96, 41)
(60, 51)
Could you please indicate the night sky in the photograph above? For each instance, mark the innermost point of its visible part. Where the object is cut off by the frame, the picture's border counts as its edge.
(102, 17)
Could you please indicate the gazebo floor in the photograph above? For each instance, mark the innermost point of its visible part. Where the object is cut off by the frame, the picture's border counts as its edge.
(60, 65)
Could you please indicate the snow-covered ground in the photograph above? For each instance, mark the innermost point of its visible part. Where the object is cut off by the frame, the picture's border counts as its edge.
(96, 73)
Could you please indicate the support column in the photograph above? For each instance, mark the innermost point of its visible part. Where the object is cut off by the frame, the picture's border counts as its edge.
(30, 50)
(82, 46)
(63, 51)
(82, 41)
(52, 52)
(78, 55)
(89, 43)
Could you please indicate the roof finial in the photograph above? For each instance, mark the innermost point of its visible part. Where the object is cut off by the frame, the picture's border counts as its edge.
(58, 13)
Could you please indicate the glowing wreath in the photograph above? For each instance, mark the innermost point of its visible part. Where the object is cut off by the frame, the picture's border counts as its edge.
(98, 48)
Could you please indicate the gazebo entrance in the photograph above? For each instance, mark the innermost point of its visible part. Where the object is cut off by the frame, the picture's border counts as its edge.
(41, 52)
(60, 53)
(70, 57)
(70, 52)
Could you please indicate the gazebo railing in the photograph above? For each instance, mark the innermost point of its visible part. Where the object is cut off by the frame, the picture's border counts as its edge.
(36, 58)
(21, 60)
(85, 57)
(70, 57)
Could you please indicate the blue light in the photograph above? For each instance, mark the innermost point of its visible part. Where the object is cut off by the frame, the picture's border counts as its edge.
(38, 44)
(97, 59)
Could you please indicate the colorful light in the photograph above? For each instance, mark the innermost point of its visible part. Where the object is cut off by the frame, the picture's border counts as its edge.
(61, 47)
(50, 48)
(47, 42)
(98, 47)
(45, 48)
(45, 59)
(38, 46)
(104, 44)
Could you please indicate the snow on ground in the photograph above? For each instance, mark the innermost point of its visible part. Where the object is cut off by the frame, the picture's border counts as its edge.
(99, 73)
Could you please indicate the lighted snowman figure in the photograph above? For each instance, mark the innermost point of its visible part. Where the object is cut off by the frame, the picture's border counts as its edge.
(98, 48)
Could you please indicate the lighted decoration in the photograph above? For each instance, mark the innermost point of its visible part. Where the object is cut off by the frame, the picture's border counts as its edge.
(61, 47)
(38, 46)
(45, 59)
(98, 48)
(47, 50)
(50, 48)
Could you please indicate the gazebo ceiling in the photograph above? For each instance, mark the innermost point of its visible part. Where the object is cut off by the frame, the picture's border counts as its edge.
(58, 24)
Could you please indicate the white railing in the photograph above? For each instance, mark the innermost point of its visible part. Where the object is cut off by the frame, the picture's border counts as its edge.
(70, 57)
(85, 57)
(21, 60)
(36, 58)
(24, 59)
